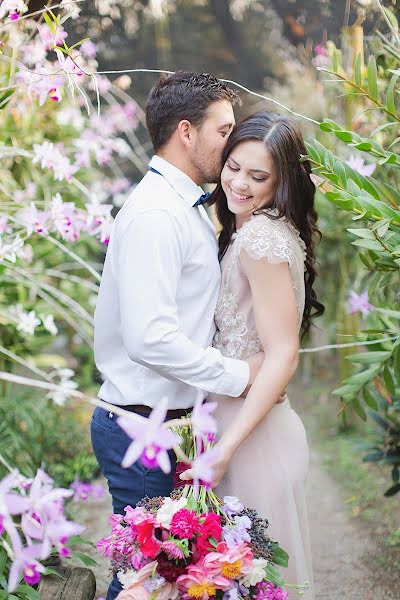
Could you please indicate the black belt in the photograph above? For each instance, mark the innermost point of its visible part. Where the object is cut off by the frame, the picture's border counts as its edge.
(141, 409)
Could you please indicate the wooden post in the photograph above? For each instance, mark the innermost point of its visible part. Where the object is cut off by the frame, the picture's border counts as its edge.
(76, 582)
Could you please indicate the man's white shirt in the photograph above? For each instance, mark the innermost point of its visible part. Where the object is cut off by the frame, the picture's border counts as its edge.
(154, 318)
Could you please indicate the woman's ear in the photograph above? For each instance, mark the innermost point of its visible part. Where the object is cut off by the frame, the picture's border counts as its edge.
(186, 133)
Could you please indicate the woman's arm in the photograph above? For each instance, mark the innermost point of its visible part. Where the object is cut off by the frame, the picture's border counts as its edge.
(275, 312)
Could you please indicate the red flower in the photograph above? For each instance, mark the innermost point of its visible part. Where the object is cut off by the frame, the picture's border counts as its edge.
(211, 527)
(168, 568)
(149, 545)
(185, 524)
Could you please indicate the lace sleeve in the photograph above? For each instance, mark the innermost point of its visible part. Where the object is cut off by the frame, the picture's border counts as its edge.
(262, 237)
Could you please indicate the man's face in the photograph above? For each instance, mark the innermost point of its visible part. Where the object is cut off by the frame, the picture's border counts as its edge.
(212, 135)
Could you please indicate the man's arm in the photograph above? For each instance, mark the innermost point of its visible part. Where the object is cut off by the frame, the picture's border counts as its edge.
(150, 257)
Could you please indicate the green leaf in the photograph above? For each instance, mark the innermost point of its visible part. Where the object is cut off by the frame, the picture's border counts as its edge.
(280, 557)
(28, 592)
(313, 154)
(376, 357)
(372, 78)
(364, 146)
(335, 61)
(388, 379)
(87, 560)
(213, 541)
(363, 376)
(396, 363)
(346, 391)
(77, 539)
(357, 70)
(345, 136)
(396, 474)
(374, 456)
(365, 234)
(390, 102)
(391, 18)
(369, 244)
(341, 172)
(274, 576)
(369, 399)
(358, 409)
(395, 314)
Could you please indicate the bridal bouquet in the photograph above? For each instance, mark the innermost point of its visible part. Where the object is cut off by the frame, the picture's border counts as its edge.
(170, 548)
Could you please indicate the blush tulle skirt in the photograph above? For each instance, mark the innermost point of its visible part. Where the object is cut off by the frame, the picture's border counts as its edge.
(268, 473)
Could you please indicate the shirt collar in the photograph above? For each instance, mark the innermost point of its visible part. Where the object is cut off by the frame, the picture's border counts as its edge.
(178, 180)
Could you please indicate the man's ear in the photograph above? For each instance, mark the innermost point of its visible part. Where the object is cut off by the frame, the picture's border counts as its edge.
(186, 133)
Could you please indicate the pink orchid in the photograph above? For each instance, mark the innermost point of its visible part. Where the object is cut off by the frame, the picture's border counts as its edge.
(151, 441)
(14, 8)
(202, 421)
(26, 562)
(51, 38)
(34, 220)
(10, 502)
(88, 49)
(202, 467)
(359, 165)
(359, 303)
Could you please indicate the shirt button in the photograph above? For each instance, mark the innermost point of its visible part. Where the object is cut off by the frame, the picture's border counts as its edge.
(110, 415)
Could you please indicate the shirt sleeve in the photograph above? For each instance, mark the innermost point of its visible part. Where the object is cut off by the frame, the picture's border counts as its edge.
(150, 257)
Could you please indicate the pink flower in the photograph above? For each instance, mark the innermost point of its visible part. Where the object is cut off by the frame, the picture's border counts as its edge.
(149, 432)
(172, 550)
(359, 303)
(201, 583)
(358, 164)
(185, 524)
(51, 38)
(231, 562)
(268, 591)
(149, 545)
(202, 468)
(202, 421)
(14, 8)
(88, 49)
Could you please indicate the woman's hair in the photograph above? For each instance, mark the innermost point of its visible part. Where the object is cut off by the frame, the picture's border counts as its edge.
(294, 196)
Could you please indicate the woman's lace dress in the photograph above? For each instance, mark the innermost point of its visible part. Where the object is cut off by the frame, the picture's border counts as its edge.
(268, 472)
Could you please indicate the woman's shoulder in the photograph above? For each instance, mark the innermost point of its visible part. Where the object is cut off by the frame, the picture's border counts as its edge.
(264, 235)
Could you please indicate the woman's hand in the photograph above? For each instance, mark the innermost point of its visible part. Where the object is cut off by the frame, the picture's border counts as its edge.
(220, 466)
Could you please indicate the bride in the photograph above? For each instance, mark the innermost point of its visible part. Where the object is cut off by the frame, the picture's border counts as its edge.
(265, 204)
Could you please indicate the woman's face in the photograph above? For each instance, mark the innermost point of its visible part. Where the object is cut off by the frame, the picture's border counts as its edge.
(248, 179)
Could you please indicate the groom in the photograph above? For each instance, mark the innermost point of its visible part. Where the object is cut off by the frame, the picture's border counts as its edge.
(154, 319)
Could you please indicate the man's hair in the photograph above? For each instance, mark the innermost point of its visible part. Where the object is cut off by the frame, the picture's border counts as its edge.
(182, 96)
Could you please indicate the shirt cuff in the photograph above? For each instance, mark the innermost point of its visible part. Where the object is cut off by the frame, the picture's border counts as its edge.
(237, 376)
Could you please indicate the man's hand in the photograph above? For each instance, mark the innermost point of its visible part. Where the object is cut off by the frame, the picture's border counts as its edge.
(219, 467)
(255, 362)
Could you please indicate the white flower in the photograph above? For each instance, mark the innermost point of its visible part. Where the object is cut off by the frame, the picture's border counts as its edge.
(72, 8)
(50, 157)
(11, 250)
(256, 574)
(167, 510)
(60, 396)
(48, 323)
(358, 164)
(27, 322)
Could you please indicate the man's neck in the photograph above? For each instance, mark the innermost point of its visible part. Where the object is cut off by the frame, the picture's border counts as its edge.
(180, 163)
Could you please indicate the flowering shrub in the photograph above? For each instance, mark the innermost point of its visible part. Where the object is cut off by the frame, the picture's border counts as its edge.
(368, 192)
(62, 167)
(32, 527)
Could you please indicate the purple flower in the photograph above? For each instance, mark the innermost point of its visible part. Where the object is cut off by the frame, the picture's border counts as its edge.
(358, 164)
(202, 422)
(202, 467)
(232, 505)
(26, 562)
(151, 441)
(84, 490)
(359, 303)
(89, 49)
(10, 503)
(268, 591)
(237, 533)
